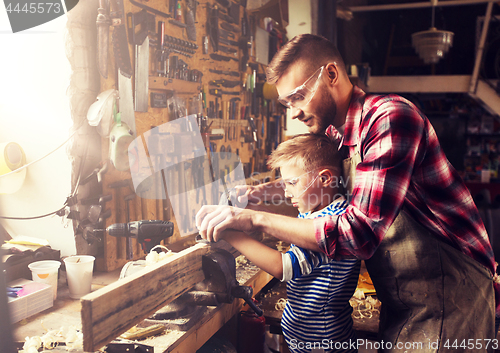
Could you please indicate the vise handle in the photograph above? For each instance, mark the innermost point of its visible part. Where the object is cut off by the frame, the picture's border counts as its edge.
(245, 293)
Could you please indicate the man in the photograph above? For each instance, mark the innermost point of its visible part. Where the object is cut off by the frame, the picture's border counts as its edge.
(410, 215)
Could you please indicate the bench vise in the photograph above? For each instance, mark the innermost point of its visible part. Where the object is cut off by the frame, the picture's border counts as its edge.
(220, 284)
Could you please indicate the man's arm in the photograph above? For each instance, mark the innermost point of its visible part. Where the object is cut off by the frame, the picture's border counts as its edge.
(394, 144)
(212, 221)
(261, 255)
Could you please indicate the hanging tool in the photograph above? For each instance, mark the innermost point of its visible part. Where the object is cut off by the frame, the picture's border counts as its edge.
(140, 25)
(228, 27)
(227, 50)
(162, 67)
(122, 58)
(222, 72)
(218, 57)
(103, 22)
(223, 34)
(217, 92)
(213, 26)
(224, 83)
(150, 9)
(234, 13)
(190, 20)
(229, 42)
(120, 43)
(145, 22)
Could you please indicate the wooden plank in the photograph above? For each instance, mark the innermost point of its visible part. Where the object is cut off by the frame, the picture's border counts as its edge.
(112, 310)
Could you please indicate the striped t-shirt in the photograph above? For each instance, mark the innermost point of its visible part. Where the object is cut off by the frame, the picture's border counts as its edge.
(317, 314)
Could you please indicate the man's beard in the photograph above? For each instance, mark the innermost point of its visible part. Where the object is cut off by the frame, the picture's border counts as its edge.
(325, 113)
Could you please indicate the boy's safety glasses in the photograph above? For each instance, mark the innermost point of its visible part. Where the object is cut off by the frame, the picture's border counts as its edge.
(302, 95)
(291, 184)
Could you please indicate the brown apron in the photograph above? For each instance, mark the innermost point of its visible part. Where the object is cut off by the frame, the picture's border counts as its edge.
(431, 293)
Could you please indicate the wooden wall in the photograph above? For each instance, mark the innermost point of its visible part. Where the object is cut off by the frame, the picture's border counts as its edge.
(267, 114)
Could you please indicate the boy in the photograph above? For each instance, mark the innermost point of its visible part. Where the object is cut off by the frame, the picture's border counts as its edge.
(317, 316)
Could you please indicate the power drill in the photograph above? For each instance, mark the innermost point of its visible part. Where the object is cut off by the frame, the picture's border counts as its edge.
(148, 233)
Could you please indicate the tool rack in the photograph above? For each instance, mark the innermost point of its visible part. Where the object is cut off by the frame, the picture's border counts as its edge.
(240, 110)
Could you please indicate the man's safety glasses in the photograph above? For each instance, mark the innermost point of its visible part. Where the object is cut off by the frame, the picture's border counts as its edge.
(302, 95)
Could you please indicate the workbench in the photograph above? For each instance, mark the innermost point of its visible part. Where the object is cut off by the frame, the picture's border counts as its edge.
(268, 290)
(66, 313)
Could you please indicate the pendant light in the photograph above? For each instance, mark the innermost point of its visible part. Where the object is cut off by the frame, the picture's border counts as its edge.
(433, 44)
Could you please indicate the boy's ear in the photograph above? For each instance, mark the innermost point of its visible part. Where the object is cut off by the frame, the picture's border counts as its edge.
(326, 177)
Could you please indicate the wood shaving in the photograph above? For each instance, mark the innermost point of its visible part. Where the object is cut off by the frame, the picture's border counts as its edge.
(364, 308)
(280, 304)
(241, 261)
(359, 294)
(72, 338)
(154, 257)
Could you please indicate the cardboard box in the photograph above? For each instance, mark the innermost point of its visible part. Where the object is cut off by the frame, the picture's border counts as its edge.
(34, 298)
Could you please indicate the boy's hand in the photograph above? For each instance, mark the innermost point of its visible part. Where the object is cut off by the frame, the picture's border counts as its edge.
(211, 221)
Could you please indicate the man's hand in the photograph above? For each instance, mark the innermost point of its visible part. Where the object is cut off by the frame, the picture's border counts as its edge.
(245, 194)
(255, 194)
(211, 221)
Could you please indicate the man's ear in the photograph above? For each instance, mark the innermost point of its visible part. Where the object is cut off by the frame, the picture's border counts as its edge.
(332, 72)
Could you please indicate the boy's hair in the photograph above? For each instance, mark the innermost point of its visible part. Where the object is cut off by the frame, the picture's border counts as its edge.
(308, 152)
(314, 50)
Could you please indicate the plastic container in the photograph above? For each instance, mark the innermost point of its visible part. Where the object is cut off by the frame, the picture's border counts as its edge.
(46, 271)
(79, 269)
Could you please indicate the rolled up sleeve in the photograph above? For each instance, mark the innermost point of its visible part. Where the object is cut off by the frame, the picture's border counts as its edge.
(325, 229)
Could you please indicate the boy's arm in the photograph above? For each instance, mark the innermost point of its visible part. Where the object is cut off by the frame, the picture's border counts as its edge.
(261, 255)
(301, 262)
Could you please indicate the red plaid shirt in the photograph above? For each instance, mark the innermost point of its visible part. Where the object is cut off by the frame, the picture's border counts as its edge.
(402, 164)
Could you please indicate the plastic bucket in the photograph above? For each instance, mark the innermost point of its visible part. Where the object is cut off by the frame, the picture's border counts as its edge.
(46, 271)
(79, 269)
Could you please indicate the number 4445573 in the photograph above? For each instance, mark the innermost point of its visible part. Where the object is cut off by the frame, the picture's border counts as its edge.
(40, 7)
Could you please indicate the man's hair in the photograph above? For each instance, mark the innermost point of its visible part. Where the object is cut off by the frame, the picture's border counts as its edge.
(314, 50)
(308, 152)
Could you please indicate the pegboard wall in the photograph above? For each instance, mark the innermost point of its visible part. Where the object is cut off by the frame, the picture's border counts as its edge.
(167, 60)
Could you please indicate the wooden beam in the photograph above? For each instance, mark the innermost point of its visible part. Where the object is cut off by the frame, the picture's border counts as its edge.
(419, 84)
(112, 310)
(488, 97)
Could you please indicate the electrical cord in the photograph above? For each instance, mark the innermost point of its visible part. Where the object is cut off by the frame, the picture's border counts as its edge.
(59, 211)
(43, 157)
(35, 217)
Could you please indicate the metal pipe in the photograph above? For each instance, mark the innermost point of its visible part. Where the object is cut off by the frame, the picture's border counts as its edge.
(417, 5)
(480, 49)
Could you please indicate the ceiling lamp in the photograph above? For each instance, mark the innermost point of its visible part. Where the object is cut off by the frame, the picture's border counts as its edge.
(433, 44)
